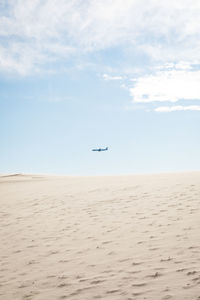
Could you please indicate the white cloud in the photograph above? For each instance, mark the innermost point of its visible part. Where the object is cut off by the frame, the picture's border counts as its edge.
(38, 31)
(167, 85)
(178, 108)
(109, 77)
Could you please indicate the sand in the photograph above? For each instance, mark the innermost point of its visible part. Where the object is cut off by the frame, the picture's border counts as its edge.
(123, 237)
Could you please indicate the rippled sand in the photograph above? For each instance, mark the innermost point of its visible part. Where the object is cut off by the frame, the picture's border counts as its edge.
(123, 237)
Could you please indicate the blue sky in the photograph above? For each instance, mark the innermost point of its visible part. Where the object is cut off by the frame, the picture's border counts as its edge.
(83, 74)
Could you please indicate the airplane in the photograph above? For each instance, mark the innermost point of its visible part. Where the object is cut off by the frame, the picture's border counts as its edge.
(100, 149)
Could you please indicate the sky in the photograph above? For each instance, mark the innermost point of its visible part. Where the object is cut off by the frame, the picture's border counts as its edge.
(81, 74)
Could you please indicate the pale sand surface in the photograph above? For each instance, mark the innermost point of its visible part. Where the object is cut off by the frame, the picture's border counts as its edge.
(126, 237)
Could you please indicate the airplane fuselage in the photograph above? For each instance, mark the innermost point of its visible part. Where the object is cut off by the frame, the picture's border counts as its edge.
(100, 149)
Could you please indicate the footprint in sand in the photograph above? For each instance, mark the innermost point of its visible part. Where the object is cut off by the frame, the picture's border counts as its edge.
(136, 294)
(191, 273)
(113, 291)
(141, 284)
(155, 275)
(97, 281)
(62, 285)
(167, 297)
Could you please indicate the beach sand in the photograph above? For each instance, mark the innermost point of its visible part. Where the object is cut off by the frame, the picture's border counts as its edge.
(119, 237)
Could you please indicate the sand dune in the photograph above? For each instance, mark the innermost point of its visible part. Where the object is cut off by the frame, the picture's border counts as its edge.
(123, 237)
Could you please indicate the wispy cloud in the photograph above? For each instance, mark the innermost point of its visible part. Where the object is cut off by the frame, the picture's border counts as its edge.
(110, 77)
(167, 85)
(34, 33)
(165, 109)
